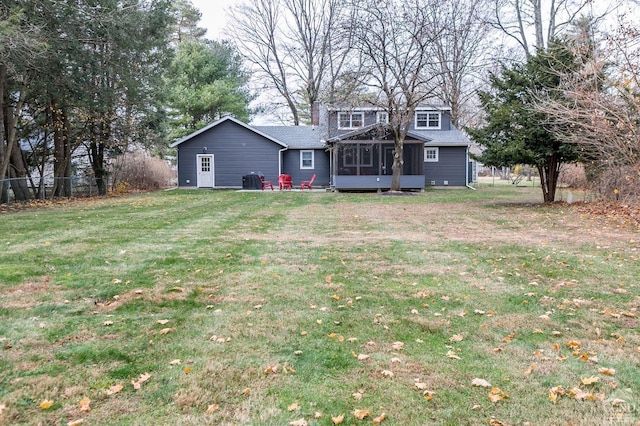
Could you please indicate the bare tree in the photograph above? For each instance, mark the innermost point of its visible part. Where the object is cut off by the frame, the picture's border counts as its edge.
(534, 23)
(599, 110)
(461, 48)
(394, 41)
(293, 46)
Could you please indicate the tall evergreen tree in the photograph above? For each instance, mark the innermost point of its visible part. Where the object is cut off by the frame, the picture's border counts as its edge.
(516, 132)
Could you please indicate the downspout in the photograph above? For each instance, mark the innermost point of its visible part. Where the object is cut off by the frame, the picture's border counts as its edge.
(280, 159)
(466, 168)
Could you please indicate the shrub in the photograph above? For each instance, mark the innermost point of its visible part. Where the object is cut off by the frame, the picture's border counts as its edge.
(139, 171)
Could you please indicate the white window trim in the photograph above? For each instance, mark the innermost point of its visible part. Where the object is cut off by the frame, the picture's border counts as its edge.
(313, 157)
(351, 114)
(382, 117)
(427, 126)
(434, 149)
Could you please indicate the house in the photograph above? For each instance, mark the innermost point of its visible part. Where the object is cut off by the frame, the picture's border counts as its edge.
(222, 153)
(346, 148)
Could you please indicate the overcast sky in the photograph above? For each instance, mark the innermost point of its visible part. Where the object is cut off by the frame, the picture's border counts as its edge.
(214, 16)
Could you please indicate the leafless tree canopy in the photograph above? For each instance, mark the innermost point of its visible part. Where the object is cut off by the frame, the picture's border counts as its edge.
(294, 47)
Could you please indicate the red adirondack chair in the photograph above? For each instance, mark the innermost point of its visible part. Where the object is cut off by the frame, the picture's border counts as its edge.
(307, 183)
(265, 183)
(284, 182)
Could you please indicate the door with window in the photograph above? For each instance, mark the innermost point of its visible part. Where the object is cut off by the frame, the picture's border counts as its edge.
(205, 171)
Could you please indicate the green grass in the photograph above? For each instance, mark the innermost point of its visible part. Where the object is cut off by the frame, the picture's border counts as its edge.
(303, 283)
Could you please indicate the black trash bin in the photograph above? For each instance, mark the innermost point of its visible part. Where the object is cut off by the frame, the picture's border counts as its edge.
(252, 181)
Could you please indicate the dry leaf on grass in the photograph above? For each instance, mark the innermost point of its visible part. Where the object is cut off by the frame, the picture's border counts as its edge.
(85, 405)
(162, 322)
(114, 389)
(293, 407)
(607, 371)
(452, 354)
(379, 419)
(166, 330)
(397, 346)
(212, 408)
(143, 378)
(75, 422)
(387, 373)
(456, 338)
(299, 422)
(46, 404)
(496, 395)
(480, 382)
(589, 380)
(361, 414)
(337, 419)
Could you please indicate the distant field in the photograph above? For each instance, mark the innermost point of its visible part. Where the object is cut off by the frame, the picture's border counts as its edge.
(448, 307)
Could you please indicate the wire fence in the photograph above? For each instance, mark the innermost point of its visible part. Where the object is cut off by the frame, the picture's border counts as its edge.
(25, 189)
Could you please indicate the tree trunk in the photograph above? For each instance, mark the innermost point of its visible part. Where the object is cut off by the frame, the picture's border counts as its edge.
(62, 152)
(398, 163)
(4, 192)
(549, 172)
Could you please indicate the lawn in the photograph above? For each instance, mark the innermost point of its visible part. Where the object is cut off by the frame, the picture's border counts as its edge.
(446, 307)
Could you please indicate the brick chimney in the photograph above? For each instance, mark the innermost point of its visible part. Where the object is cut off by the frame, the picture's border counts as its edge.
(315, 113)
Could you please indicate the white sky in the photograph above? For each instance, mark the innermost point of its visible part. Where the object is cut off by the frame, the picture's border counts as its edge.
(214, 15)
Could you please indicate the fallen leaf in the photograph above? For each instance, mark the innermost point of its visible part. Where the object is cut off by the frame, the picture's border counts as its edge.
(46, 404)
(589, 380)
(387, 373)
(337, 419)
(246, 391)
(456, 338)
(211, 408)
(607, 371)
(187, 370)
(428, 395)
(555, 392)
(335, 297)
(363, 357)
(108, 323)
(162, 322)
(299, 422)
(75, 422)
(293, 407)
(397, 346)
(317, 415)
(84, 405)
(357, 396)
(361, 414)
(114, 389)
(379, 419)
(166, 330)
(453, 355)
(573, 344)
(496, 395)
(143, 378)
(480, 382)
(420, 385)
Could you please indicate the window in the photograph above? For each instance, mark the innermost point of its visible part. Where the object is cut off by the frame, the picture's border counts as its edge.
(427, 120)
(350, 120)
(306, 159)
(382, 117)
(431, 155)
(357, 155)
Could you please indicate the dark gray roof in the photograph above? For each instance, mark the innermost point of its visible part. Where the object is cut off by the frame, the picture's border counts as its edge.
(453, 137)
(295, 137)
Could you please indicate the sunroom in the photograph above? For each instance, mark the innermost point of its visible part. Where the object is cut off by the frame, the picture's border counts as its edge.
(363, 160)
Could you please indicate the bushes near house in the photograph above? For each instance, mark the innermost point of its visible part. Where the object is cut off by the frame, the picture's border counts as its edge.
(140, 172)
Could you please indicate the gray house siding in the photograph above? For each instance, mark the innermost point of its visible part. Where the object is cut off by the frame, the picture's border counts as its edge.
(237, 151)
(370, 118)
(291, 166)
(450, 167)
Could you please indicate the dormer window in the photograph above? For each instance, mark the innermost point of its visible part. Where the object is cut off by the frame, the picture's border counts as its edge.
(427, 120)
(382, 117)
(350, 120)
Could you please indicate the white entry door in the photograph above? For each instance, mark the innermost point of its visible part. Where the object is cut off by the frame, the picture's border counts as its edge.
(205, 170)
